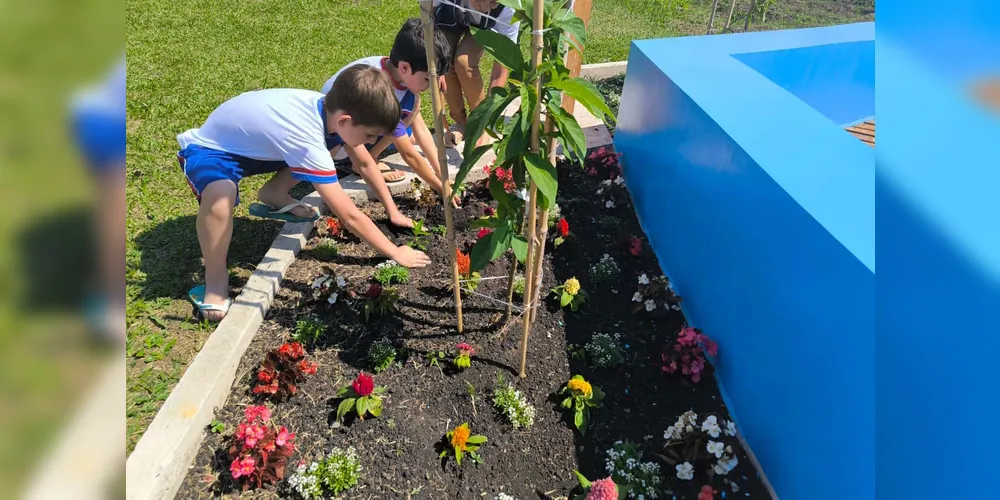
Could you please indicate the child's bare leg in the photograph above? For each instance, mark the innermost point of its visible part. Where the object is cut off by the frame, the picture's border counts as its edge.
(215, 230)
(467, 58)
(453, 92)
(274, 193)
(111, 219)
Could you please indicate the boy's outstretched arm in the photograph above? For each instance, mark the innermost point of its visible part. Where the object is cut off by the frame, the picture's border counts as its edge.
(359, 224)
(369, 170)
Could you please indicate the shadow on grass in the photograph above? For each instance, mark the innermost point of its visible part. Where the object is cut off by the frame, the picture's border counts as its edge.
(57, 258)
(171, 257)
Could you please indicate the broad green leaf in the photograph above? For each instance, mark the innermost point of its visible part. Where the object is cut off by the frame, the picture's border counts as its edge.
(545, 177)
(489, 247)
(481, 223)
(584, 482)
(565, 299)
(478, 120)
(572, 25)
(375, 407)
(362, 406)
(477, 439)
(520, 246)
(569, 132)
(503, 49)
(345, 406)
(468, 162)
(586, 420)
(458, 456)
(517, 139)
(443, 453)
(567, 403)
(586, 94)
(578, 420)
(379, 390)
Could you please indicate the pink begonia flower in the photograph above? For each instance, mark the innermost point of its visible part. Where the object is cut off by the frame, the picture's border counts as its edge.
(260, 412)
(244, 467)
(284, 437)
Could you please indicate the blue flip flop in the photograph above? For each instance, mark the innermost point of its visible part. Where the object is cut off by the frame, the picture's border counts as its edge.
(283, 213)
(197, 296)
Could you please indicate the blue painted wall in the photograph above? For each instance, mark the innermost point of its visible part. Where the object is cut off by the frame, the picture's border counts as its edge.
(761, 211)
(938, 297)
(838, 80)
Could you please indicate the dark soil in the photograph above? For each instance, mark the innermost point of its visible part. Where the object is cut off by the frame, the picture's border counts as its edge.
(398, 450)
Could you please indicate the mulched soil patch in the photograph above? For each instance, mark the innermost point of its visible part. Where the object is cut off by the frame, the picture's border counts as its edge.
(398, 450)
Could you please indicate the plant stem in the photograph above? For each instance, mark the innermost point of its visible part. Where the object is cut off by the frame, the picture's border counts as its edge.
(746, 20)
(729, 19)
(439, 129)
(711, 17)
(537, 44)
(510, 286)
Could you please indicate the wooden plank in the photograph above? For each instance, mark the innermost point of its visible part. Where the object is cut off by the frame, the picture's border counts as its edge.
(574, 59)
(864, 132)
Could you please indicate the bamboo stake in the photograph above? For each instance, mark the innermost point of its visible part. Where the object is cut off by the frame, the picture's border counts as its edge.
(438, 105)
(711, 17)
(729, 20)
(543, 230)
(529, 297)
(510, 287)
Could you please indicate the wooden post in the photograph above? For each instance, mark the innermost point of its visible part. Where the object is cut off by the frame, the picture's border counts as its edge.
(711, 17)
(537, 43)
(729, 19)
(437, 103)
(574, 59)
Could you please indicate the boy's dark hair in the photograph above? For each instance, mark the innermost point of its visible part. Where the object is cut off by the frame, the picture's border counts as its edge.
(366, 94)
(409, 46)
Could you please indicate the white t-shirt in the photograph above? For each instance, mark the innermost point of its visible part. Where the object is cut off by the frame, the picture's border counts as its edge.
(502, 22)
(272, 125)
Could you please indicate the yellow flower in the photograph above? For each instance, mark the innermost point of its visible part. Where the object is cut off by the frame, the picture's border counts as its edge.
(581, 386)
(572, 286)
(460, 436)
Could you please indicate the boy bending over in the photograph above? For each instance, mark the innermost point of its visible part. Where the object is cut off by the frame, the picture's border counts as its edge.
(287, 132)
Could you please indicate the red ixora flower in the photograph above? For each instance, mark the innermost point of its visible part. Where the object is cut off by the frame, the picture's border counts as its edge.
(483, 232)
(293, 350)
(563, 227)
(465, 349)
(308, 367)
(374, 291)
(635, 247)
(363, 385)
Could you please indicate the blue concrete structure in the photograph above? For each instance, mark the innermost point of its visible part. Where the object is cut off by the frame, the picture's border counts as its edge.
(937, 182)
(761, 210)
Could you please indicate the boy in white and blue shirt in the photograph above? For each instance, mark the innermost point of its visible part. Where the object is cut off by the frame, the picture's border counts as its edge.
(290, 133)
(406, 66)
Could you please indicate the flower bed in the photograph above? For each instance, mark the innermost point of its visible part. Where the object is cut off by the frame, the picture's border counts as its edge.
(401, 334)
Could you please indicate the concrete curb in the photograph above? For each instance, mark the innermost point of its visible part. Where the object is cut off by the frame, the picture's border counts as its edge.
(157, 466)
(600, 71)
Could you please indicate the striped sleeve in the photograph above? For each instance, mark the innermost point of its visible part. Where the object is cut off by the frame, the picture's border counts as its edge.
(312, 163)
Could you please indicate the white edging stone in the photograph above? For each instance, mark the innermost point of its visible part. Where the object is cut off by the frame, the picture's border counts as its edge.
(600, 71)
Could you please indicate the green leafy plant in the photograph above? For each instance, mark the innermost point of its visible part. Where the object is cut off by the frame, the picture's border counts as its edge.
(382, 354)
(460, 441)
(605, 271)
(308, 330)
(328, 476)
(581, 396)
(420, 234)
(570, 294)
(217, 427)
(605, 350)
(514, 407)
(379, 301)
(434, 358)
(516, 163)
(440, 229)
(519, 285)
(463, 356)
(361, 396)
(390, 273)
(325, 249)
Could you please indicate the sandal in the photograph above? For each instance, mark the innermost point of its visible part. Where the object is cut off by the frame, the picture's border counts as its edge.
(454, 136)
(389, 174)
(283, 213)
(197, 296)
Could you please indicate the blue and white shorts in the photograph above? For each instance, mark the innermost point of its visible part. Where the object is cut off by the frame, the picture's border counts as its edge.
(203, 166)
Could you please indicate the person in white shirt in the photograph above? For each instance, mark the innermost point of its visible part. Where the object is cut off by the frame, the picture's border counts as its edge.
(290, 133)
(455, 17)
(406, 67)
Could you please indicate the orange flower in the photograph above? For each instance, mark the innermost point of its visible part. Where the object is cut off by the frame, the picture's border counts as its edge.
(333, 226)
(460, 436)
(464, 263)
(581, 386)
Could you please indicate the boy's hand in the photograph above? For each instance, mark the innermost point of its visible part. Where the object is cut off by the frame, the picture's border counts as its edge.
(408, 257)
(400, 220)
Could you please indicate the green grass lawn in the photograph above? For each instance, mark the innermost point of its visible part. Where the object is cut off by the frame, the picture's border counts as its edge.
(185, 57)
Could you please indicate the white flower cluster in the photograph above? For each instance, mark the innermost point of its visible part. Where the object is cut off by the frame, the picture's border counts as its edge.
(388, 263)
(503, 496)
(618, 181)
(653, 287)
(687, 425)
(605, 350)
(624, 464)
(514, 406)
(327, 476)
(329, 286)
(605, 270)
